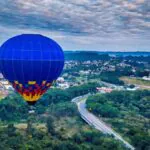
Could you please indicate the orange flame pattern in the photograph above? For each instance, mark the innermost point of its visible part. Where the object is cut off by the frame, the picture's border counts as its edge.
(31, 91)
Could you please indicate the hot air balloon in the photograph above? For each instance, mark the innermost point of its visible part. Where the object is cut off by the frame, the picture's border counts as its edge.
(31, 63)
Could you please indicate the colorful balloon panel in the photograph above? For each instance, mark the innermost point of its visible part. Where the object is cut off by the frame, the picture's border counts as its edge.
(31, 91)
(31, 63)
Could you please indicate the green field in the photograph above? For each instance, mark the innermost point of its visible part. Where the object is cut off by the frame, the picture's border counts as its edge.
(143, 84)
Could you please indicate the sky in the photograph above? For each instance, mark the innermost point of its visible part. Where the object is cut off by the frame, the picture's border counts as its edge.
(101, 25)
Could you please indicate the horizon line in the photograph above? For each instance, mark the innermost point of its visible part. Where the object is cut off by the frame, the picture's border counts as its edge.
(106, 51)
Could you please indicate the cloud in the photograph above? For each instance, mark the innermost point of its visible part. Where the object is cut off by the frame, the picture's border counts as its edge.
(72, 22)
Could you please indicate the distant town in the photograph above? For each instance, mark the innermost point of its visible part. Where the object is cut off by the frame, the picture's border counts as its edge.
(111, 72)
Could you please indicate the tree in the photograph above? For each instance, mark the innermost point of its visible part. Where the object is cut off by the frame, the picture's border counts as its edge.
(11, 129)
(50, 125)
(30, 120)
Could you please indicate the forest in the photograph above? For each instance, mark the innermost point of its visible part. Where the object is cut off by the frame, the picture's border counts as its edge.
(128, 113)
(56, 125)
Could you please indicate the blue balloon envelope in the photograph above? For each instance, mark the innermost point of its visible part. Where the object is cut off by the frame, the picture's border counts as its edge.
(31, 62)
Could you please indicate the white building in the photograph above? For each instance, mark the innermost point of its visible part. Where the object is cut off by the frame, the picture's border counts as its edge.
(146, 78)
(60, 79)
(63, 85)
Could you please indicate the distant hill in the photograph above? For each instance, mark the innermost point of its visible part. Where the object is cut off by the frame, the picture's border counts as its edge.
(85, 56)
(94, 55)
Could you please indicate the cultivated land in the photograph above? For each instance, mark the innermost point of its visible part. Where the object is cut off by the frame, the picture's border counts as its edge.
(143, 84)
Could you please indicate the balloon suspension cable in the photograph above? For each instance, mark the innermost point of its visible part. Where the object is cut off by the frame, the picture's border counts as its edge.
(31, 120)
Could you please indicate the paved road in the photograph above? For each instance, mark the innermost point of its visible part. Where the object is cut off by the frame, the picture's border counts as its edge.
(95, 121)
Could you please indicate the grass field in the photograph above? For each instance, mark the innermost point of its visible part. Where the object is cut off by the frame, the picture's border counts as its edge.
(67, 126)
(143, 84)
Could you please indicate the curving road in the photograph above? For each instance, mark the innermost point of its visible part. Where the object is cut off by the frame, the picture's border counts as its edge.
(95, 122)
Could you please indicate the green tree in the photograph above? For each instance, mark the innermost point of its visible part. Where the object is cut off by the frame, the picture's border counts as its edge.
(50, 125)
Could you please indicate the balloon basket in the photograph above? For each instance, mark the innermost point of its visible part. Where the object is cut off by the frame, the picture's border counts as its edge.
(31, 110)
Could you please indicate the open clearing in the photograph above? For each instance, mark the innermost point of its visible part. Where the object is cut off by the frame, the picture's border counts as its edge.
(143, 84)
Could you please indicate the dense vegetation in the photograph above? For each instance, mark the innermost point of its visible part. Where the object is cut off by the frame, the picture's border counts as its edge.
(111, 77)
(89, 139)
(128, 112)
(55, 126)
(13, 107)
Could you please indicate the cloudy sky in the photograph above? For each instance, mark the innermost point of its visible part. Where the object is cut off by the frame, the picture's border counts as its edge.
(114, 25)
